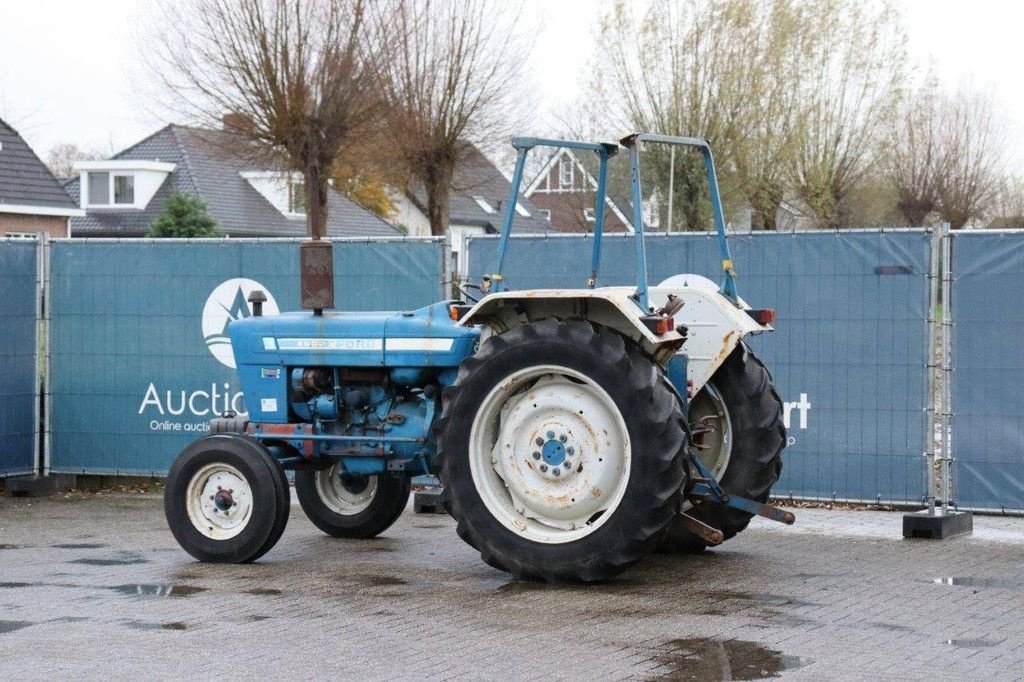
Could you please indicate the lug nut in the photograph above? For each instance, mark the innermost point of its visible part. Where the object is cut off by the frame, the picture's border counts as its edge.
(570, 450)
(551, 434)
(539, 441)
(567, 464)
(556, 471)
(563, 438)
(536, 455)
(543, 467)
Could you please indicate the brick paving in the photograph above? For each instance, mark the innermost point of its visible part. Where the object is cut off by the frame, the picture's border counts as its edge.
(97, 588)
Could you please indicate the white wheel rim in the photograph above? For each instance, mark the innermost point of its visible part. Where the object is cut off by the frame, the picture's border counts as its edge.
(341, 496)
(711, 429)
(550, 454)
(219, 501)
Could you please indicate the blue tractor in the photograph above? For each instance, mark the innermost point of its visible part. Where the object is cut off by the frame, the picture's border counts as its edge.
(573, 430)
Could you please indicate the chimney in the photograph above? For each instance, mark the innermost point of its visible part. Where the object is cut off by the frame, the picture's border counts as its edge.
(235, 122)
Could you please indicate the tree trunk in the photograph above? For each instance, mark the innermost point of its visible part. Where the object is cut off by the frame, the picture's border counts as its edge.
(316, 200)
(438, 187)
(765, 207)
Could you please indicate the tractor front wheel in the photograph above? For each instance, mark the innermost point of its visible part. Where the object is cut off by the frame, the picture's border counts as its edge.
(561, 448)
(226, 499)
(351, 506)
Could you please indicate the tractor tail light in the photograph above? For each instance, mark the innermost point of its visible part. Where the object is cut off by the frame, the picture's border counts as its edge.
(763, 316)
(457, 312)
(659, 325)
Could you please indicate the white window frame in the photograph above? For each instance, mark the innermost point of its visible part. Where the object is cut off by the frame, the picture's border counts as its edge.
(22, 235)
(545, 213)
(110, 188)
(291, 184)
(113, 183)
(588, 215)
(563, 163)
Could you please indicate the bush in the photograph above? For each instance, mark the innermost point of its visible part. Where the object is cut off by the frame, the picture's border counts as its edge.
(184, 216)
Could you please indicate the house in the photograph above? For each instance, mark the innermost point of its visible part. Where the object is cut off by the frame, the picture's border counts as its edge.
(123, 195)
(564, 191)
(476, 206)
(32, 201)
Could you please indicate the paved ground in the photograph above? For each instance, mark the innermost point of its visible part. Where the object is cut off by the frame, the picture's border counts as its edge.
(97, 588)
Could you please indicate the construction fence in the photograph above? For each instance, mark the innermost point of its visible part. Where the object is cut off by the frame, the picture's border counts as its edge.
(136, 360)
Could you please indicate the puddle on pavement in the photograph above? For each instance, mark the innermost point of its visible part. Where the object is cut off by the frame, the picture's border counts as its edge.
(12, 625)
(970, 643)
(374, 580)
(7, 545)
(715, 659)
(157, 590)
(256, 619)
(14, 585)
(79, 545)
(143, 625)
(968, 581)
(264, 591)
(123, 561)
(760, 597)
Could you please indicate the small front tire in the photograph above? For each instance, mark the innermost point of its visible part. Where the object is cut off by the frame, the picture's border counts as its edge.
(226, 499)
(347, 506)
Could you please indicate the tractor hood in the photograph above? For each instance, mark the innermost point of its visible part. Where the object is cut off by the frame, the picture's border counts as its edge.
(421, 338)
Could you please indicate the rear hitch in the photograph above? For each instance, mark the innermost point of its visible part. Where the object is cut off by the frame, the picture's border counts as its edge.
(705, 488)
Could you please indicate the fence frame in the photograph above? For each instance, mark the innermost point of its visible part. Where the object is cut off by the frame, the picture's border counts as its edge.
(44, 284)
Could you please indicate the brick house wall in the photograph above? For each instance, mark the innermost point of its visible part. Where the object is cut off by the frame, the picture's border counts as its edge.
(570, 198)
(16, 223)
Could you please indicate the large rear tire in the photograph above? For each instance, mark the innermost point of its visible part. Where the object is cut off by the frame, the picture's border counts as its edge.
(749, 441)
(346, 506)
(226, 499)
(561, 449)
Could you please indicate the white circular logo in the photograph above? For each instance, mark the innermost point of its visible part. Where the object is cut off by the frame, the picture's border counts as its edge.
(227, 303)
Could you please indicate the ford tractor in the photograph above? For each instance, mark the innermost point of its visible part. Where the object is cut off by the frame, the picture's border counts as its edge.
(573, 430)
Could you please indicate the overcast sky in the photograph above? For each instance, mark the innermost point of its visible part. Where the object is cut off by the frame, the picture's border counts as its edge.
(70, 72)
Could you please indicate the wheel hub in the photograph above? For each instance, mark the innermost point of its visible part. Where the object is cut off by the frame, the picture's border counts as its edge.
(554, 456)
(220, 501)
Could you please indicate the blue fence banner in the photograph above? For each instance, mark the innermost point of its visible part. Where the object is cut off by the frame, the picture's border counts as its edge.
(138, 351)
(988, 381)
(19, 352)
(848, 354)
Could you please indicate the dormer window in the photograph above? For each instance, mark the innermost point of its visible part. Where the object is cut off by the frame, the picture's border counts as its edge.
(566, 173)
(588, 215)
(121, 183)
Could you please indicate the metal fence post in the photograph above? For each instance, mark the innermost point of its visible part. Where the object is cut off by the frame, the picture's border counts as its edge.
(45, 376)
(947, 393)
(931, 367)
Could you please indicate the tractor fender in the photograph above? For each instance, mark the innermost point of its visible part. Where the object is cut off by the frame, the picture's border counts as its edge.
(611, 307)
(715, 325)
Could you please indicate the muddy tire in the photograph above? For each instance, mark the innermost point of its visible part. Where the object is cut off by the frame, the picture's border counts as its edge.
(345, 506)
(561, 449)
(226, 499)
(754, 412)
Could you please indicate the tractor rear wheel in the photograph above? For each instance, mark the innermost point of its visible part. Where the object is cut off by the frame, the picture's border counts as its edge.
(351, 506)
(738, 434)
(561, 448)
(226, 499)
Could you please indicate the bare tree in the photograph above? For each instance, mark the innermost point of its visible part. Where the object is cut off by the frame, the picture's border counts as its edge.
(852, 69)
(973, 138)
(61, 158)
(1008, 205)
(450, 82)
(297, 78)
(913, 153)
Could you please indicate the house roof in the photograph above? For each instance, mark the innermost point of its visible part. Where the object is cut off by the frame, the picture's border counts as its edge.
(476, 176)
(25, 181)
(209, 165)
